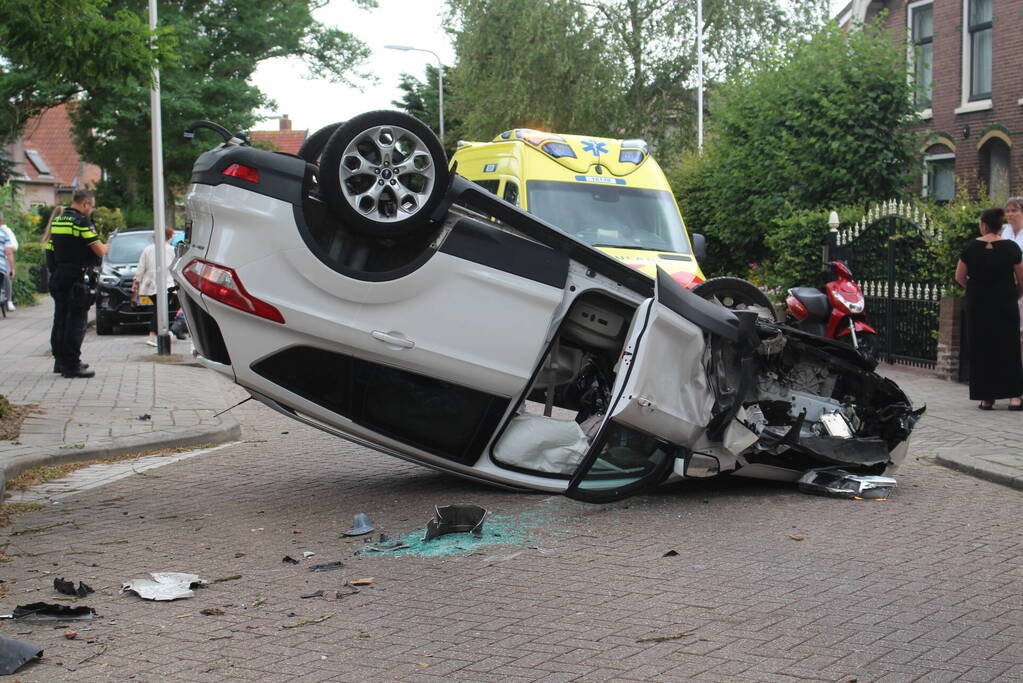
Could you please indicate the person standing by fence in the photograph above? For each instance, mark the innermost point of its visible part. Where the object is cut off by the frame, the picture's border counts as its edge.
(990, 269)
(1013, 230)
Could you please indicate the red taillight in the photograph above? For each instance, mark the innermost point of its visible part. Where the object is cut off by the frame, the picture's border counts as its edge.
(796, 307)
(687, 280)
(222, 284)
(243, 172)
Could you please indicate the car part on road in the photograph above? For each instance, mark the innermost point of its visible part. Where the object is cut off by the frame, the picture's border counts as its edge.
(288, 559)
(68, 588)
(326, 567)
(842, 484)
(15, 653)
(386, 544)
(45, 611)
(383, 174)
(458, 518)
(360, 525)
(164, 586)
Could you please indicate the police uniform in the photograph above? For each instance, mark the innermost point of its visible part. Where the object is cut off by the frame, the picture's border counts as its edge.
(72, 286)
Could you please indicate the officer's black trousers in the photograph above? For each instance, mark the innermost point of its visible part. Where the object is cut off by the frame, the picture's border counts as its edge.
(69, 319)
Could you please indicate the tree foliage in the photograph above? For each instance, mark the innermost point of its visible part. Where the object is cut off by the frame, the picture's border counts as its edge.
(422, 100)
(218, 47)
(617, 68)
(51, 51)
(821, 125)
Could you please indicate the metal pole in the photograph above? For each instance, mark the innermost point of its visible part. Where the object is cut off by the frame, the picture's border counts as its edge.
(699, 74)
(440, 78)
(159, 219)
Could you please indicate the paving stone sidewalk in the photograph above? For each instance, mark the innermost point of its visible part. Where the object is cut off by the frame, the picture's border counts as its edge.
(137, 401)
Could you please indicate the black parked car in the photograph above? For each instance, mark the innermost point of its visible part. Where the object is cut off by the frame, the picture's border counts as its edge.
(113, 295)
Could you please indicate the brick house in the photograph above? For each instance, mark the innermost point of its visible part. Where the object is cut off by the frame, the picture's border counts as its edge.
(47, 167)
(968, 69)
(282, 140)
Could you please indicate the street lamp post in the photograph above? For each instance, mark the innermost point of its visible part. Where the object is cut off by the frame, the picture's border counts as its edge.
(440, 78)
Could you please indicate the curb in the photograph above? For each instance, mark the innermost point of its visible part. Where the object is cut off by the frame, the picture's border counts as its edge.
(982, 469)
(229, 431)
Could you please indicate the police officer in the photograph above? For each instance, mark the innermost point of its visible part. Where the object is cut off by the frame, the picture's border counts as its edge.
(77, 250)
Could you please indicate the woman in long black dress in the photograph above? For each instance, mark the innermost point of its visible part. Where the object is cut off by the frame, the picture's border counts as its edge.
(992, 273)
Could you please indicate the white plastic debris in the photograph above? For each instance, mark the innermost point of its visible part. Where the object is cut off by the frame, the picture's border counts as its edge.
(164, 586)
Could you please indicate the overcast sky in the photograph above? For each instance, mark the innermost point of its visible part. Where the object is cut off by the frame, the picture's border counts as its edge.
(312, 104)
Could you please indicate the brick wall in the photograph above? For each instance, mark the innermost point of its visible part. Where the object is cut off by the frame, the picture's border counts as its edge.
(1006, 86)
(950, 338)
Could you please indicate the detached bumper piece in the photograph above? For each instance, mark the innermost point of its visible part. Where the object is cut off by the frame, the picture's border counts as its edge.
(842, 484)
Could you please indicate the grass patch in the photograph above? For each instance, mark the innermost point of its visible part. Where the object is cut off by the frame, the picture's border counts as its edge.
(44, 473)
(11, 417)
(8, 509)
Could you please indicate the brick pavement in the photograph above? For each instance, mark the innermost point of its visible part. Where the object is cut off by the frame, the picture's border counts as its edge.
(83, 419)
(925, 586)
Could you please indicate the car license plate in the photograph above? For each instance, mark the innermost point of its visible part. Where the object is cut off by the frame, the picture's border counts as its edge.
(145, 300)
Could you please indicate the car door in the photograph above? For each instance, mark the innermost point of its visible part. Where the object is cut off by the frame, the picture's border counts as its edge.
(662, 401)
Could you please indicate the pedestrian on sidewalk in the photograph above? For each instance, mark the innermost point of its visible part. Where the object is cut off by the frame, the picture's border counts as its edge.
(1013, 230)
(6, 263)
(77, 251)
(144, 283)
(990, 269)
(12, 242)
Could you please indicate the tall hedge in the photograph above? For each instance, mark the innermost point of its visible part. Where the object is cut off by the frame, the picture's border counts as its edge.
(820, 126)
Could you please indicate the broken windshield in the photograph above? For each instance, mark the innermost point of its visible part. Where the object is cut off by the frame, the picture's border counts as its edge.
(610, 215)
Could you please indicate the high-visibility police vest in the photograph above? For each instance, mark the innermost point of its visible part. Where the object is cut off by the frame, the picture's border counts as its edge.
(71, 233)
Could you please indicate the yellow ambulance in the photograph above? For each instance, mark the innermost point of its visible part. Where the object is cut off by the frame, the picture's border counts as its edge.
(608, 193)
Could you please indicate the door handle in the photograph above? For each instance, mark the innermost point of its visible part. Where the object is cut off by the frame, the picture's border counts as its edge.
(393, 339)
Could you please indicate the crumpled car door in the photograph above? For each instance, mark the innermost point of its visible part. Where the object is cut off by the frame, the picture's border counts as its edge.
(662, 401)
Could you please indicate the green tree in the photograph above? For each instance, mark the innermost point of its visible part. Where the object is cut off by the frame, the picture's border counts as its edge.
(821, 125)
(422, 100)
(219, 45)
(617, 68)
(52, 51)
(530, 63)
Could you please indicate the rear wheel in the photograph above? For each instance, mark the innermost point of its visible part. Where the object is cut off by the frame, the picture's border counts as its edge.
(314, 144)
(103, 324)
(383, 173)
(736, 294)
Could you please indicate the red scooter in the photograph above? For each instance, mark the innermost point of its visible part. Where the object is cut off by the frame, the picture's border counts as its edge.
(838, 313)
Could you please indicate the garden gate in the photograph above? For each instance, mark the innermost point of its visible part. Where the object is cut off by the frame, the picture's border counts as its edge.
(887, 252)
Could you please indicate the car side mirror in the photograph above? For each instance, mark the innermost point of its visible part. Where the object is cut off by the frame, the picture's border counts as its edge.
(699, 246)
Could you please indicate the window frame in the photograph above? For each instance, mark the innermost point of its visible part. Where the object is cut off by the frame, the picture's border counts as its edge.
(930, 159)
(968, 101)
(914, 45)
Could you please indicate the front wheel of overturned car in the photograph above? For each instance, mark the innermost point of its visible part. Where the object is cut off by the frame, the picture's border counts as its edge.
(383, 173)
(736, 294)
(314, 144)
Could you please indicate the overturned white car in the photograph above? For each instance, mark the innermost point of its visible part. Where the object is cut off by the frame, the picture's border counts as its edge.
(365, 289)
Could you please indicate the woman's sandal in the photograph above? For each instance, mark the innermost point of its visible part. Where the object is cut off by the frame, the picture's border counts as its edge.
(989, 405)
(1018, 405)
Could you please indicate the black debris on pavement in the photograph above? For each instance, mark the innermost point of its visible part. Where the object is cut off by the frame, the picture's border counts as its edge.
(288, 559)
(385, 544)
(670, 553)
(145, 417)
(317, 594)
(68, 588)
(451, 519)
(14, 653)
(45, 611)
(326, 567)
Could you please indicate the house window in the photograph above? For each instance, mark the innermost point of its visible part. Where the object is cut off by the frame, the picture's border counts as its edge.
(994, 166)
(979, 28)
(921, 21)
(940, 179)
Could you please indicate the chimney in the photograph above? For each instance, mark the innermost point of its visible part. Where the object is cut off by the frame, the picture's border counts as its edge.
(285, 122)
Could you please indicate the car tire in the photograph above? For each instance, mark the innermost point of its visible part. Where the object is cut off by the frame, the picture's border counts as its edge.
(103, 326)
(313, 145)
(377, 196)
(736, 294)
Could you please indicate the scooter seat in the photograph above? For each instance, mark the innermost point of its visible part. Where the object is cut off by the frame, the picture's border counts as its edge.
(815, 301)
